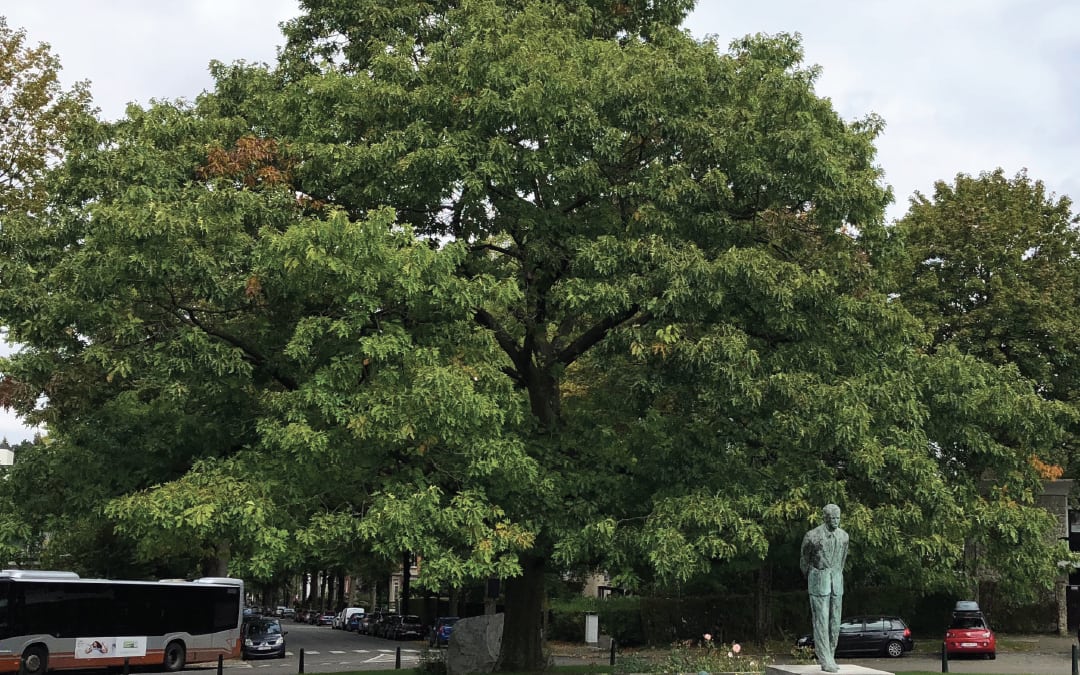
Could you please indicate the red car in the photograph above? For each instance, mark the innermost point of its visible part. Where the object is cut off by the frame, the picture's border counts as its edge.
(969, 632)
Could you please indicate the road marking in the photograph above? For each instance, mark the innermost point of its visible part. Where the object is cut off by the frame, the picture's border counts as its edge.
(336, 651)
(389, 658)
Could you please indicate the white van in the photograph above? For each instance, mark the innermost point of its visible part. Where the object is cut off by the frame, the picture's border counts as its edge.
(341, 620)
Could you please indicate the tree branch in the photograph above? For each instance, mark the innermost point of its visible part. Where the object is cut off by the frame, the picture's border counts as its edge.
(506, 343)
(253, 355)
(592, 336)
(498, 249)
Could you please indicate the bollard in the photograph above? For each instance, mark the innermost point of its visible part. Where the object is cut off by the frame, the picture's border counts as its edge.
(1075, 665)
(611, 660)
(301, 661)
(220, 664)
(944, 659)
(397, 659)
(127, 666)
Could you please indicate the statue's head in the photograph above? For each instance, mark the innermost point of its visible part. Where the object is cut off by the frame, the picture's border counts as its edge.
(831, 515)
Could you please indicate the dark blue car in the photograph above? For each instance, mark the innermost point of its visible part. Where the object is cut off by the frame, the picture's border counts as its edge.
(354, 621)
(440, 631)
(263, 638)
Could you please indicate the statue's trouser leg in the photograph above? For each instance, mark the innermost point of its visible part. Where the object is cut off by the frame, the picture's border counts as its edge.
(835, 607)
(823, 642)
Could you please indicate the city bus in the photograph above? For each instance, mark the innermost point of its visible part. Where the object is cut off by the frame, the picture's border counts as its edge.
(57, 620)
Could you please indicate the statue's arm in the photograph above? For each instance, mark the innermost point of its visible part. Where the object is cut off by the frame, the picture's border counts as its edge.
(804, 554)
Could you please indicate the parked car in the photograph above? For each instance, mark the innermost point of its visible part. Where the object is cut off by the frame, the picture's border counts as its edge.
(342, 617)
(263, 637)
(325, 619)
(439, 636)
(969, 632)
(353, 623)
(887, 635)
(368, 622)
(403, 627)
(379, 629)
(386, 625)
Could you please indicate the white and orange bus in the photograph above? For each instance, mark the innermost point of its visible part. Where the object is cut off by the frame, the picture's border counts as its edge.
(56, 620)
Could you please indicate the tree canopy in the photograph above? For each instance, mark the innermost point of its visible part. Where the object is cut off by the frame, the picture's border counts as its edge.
(538, 285)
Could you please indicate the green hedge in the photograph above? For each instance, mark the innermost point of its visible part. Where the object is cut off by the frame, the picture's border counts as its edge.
(637, 621)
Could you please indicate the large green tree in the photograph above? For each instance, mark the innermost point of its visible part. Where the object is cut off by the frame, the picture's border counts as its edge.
(37, 113)
(992, 266)
(655, 201)
(536, 283)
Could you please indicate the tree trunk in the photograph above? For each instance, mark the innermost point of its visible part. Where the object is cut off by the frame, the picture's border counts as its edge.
(322, 591)
(216, 563)
(313, 592)
(762, 617)
(406, 577)
(340, 591)
(455, 602)
(522, 647)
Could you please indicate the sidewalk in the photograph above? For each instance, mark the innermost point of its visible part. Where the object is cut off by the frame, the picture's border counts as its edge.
(1017, 655)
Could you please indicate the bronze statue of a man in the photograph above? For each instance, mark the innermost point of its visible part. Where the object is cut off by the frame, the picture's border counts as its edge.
(824, 550)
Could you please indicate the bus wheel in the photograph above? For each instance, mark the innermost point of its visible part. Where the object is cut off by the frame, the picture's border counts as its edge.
(175, 657)
(35, 660)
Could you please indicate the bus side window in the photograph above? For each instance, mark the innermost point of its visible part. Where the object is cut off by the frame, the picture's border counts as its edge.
(43, 610)
(226, 608)
(129, 608)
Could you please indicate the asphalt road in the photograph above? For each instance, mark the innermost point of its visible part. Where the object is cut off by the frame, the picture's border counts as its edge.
(326, 651)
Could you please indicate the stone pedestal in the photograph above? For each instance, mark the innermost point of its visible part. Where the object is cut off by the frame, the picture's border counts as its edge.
(815, 669)
(474, 645)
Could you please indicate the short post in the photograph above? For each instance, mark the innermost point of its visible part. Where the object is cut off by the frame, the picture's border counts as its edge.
(397, 659)
(127, 665)
(220, 664)
(944, 659)
(1075, 666)
(611, 660)
(301, 671)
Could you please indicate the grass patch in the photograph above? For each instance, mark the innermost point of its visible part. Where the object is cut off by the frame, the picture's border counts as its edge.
(921, 672)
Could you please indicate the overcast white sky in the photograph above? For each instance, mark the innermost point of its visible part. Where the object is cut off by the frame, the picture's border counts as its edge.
(963, 85)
